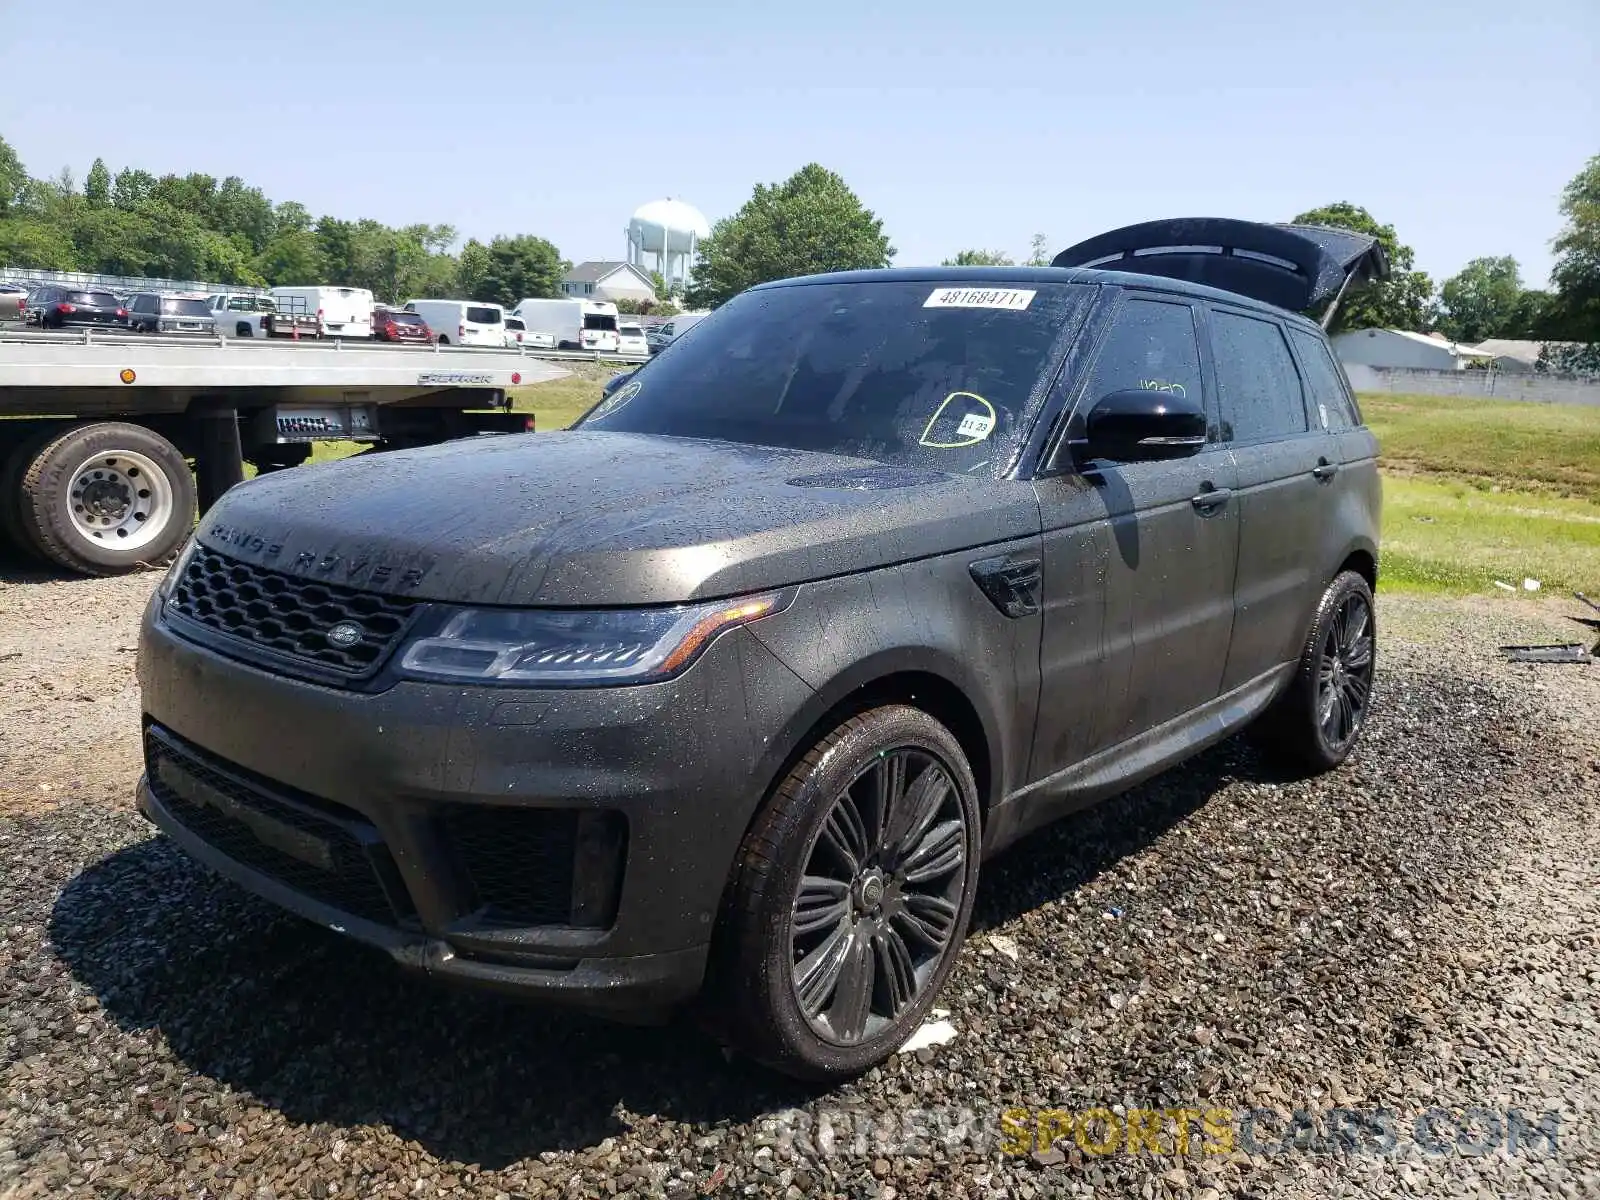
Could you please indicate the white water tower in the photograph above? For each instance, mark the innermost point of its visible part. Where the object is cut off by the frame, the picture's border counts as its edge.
(663, 236)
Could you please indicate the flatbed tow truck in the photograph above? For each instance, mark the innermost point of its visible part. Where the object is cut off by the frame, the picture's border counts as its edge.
(98, 431)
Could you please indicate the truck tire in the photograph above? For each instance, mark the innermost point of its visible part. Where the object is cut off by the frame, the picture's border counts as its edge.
(29, 437)
(106, 497)
(244, 329)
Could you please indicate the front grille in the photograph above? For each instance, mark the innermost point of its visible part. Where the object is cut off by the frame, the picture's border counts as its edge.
(288, 617)
(519, 861)
(321, 850)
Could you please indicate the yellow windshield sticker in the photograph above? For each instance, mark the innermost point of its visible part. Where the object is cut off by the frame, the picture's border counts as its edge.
(617, 399)
(977, 421)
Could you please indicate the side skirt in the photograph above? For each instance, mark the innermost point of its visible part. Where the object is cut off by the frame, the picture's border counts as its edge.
(1131, 762)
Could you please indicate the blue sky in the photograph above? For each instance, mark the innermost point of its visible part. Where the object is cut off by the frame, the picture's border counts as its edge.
(960, 124)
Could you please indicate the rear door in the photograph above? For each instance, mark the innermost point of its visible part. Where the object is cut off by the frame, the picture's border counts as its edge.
(482, 325)
(1138, 576)
(1287, 465)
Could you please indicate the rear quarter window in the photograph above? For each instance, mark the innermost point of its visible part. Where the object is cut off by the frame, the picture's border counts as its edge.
(1330, 393)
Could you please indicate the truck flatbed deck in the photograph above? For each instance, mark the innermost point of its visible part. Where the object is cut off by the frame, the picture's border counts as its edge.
(97, 430)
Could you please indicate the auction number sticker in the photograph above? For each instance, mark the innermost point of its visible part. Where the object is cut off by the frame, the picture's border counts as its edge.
(1011, 299)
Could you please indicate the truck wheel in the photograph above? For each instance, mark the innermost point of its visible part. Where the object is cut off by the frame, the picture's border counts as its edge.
(106, 498)
(444, 339)
(850, 897)
(243, 329)
(12, 464)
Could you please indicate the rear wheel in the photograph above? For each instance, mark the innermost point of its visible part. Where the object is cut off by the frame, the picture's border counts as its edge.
(1315, 724)
(850, 897)
(106, 498)
(444, 340)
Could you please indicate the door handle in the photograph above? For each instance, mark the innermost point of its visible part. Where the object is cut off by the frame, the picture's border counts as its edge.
(1325, 469)
(1210, 500)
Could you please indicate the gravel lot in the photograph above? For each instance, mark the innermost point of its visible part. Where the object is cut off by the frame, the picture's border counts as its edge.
(1419, 930)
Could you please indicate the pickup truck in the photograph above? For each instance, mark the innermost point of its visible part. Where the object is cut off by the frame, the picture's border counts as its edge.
(259, 316)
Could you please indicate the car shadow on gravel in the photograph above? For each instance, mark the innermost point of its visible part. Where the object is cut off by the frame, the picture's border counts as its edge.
(329, 1032)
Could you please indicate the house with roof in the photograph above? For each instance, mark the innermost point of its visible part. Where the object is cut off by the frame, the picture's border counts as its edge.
(611, 281)
(1510, 354)
(1401, 348)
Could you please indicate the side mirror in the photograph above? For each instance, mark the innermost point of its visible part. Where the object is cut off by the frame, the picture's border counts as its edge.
(615, 382)
(1143, 425)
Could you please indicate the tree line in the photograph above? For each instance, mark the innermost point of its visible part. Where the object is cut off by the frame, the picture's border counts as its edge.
(197, 227)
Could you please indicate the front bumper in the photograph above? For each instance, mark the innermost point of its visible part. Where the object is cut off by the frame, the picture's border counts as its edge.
(573, 843)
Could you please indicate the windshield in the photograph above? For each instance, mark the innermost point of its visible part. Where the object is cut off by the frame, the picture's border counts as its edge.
(185, 308)
(484, 316)
(915, 374)
(631, 330)
(94, 299)
(515, 323)
(402, 318)
(599, 321)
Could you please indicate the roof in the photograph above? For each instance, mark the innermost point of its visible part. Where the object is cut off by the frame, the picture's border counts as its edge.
(594, 272)
(1523, 351)
(1038, 276)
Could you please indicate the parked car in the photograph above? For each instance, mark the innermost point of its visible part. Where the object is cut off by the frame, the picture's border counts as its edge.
(518, 334)
(52, 306)
(340, 312)
(727, 691)
(397, 325)
(631, 338)
(248, 315)
(462, 322)
(13, 300)
(572, 324)
(152, 312)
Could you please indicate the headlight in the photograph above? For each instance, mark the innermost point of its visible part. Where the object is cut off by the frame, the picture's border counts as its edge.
(179, 564)
(576, 647)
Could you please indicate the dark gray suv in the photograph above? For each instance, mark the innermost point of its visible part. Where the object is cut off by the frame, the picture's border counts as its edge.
(725, 692)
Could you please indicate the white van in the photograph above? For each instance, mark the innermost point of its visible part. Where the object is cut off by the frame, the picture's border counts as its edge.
(462, 322)
(342, 312)
(572, 324)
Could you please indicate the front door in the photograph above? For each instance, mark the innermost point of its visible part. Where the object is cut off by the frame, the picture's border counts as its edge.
(1139, 558)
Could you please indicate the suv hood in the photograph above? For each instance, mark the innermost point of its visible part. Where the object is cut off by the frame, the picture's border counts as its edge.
(592, 518)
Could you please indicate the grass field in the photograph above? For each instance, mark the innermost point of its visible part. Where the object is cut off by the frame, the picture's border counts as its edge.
(1478, 490)
(1474, 490)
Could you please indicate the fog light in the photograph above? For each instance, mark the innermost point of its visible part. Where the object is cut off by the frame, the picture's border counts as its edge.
(598, 855)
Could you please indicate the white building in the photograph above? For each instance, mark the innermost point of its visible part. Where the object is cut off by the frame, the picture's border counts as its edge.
(1402, 348)
(611, 281)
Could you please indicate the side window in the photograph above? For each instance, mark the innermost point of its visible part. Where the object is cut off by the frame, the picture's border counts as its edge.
(1329, 397)
(1152, 345)
(1259, 386)
(147, 304)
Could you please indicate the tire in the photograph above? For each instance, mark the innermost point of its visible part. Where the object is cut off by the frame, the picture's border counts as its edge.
(443, 340)
(106, 498)
(771, 929)
(244, 329)
(29, 439)
(1315, 724)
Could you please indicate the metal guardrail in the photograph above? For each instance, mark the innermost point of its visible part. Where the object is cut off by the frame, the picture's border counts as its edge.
(89, 280)
(89, 335)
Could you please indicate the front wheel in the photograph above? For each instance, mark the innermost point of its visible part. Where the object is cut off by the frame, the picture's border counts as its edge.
(850, 897)
(1315, 724)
